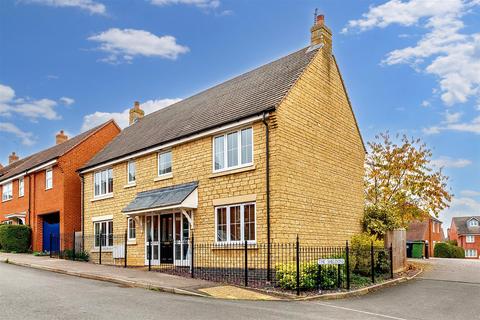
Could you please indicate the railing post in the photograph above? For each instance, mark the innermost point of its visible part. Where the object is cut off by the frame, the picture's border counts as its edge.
(246, 263)
(192, 258)
(73, 255)
(347, 261)
(149, 253)
(51, 236)
(125, 253)
(100, 251)
(297, 247)
(372, 262)
(391, 260)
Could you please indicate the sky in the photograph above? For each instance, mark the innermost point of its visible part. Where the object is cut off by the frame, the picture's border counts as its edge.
(410, 66)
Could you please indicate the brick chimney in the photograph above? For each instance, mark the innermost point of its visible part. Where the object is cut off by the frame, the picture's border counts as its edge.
(12, 158)
(136, 113)
(60, 137)
(320, 33)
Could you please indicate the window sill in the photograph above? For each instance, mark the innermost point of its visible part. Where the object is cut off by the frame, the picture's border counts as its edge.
(234, 246)
(130, 185)
(104, 249)
(46, 189)
(232, 171)
(164, 177)
(108, 196)
(7, 200)
(132, 242)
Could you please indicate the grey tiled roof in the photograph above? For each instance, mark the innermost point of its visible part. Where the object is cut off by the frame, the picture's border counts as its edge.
(47, 155)
(163, 197)
(249, 94)
(462, 226)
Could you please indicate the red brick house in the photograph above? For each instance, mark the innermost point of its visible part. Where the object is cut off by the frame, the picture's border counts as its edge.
(430, 231)
(466, 231)
(43, 190)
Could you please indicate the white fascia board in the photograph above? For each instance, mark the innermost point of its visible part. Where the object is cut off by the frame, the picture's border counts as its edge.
(34, 169)
(176, 142)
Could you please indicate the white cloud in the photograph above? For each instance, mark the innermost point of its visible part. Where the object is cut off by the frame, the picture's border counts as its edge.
(67, 101)
(26, 137)
(448, 162)
(91, 6)
(470, 193)
(203, 4)
(425, 103)
(472, 127)
(32, 109)
(452, 117)
(122, 118)
(444, 51)
(123, 45)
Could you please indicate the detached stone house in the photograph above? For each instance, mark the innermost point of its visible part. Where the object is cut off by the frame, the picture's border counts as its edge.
(271, 154)
(466, 231)
(43, 190)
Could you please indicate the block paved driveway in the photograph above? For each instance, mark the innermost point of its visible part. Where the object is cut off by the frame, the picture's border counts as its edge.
(450, 289)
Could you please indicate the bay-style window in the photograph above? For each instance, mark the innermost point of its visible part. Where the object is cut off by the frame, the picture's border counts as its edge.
(7, 191)
(103, 183)
(233, 150)
(21, 187)
(103, 233)
(48, 179)
(131, 172)
(235, 223)
(165, 163)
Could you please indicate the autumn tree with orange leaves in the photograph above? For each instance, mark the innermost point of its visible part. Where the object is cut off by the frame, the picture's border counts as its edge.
(401, 185)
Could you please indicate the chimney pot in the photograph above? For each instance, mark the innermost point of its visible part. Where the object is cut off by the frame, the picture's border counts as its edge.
(321, 34)
(61, 137)
(320, 19)
(12, 158)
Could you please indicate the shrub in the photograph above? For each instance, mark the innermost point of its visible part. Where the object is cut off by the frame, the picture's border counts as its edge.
(446, 250)
(360, 258)
(452, 242)
(79, 256)
(15, 237)
(286, 275)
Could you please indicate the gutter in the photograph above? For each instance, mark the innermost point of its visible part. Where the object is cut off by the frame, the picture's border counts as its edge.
(267, 191)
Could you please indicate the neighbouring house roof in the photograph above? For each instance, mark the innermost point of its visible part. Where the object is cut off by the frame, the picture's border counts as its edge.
(462, 225)
(161, 198)
(416, 230)
(247, 95)
(42, 157)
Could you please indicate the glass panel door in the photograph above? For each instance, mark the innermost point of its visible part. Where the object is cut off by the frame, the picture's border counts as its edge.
(182, 233)
(152, 228)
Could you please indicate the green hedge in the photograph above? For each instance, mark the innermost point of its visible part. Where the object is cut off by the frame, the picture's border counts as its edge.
(15, 237)
(286, 275)
(446, 250)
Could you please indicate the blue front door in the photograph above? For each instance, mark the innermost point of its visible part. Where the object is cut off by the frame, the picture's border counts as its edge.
(54, 230)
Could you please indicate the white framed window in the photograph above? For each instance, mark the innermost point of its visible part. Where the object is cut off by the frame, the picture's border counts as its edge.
(7, 191)
(103, 182)
(473, 223)
(165, 163)
(48, 179)
(470, 239)
(235, 223)
(233, 150)
(132, 232)
(131, 172)
(103, 233)
(21, 187)
(470, 253)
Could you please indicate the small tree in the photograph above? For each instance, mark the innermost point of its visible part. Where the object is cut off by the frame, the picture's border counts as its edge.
(400, 184)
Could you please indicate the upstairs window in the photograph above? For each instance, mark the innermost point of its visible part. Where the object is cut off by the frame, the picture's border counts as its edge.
(7, 191)
(48, 179)
(131, 172)
(164, 163)
(473, 223)
(103, 181)
(470, 239)
(233, 150)
(21, 187)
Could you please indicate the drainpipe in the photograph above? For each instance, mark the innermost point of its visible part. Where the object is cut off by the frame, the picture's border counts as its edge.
(267, 191)
(29, 200)
(82, 210)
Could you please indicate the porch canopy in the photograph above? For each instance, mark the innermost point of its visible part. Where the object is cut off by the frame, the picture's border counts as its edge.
(182, 197)
(19, 216)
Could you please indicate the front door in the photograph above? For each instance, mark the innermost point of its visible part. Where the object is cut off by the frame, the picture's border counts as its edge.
(152, 234)
(166, 238)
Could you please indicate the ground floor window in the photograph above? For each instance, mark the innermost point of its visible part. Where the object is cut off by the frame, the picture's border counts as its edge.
(235, 223)
(132, 232)
(103, 233)
(470, 253)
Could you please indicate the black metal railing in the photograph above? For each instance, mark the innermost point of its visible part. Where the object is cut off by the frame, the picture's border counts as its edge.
(294, 267)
